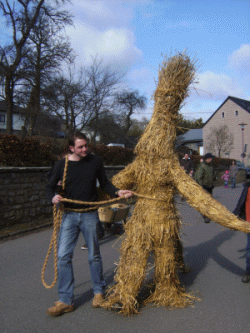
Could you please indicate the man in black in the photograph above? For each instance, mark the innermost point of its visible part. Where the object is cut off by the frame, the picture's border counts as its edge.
(187, 164)
(84, 169)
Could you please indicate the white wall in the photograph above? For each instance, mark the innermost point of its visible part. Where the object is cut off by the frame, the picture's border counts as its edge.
(18, 121)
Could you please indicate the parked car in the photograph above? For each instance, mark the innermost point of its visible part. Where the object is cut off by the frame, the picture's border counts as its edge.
(240, 164)
(246, 168)
(247, 171)
(116, 145)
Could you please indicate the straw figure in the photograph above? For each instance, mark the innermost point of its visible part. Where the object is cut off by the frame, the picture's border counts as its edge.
(155, 175)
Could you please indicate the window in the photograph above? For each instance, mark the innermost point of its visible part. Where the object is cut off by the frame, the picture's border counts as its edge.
(222, 114)
(2, 118)
(236, 113)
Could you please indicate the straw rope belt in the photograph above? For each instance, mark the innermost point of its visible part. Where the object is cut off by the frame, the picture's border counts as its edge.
(57, 219)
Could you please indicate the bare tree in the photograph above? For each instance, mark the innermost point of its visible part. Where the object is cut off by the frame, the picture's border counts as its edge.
(22, 16)
(103, 84)
(138, 126)
(48, 49)
(130, 102)
(66, 97)
(84, 100)
(219, 141)
(110, 129)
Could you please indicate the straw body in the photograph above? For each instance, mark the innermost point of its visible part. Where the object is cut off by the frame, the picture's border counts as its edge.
(154, 225)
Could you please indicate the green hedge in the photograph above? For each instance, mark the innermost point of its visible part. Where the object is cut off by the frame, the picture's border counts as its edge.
(30, 151)
(113, 155)
(219, 163)
(15, 151)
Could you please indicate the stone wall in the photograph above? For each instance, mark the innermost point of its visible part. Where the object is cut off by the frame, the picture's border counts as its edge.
(22, 192)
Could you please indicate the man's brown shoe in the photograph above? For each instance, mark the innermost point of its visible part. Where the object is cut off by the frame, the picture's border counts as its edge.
(59, 308)
(97, 301)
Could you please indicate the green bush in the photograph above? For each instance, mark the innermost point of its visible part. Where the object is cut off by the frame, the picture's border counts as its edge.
(113, 155)
(29, 151)
(219, 163)
(15, 151)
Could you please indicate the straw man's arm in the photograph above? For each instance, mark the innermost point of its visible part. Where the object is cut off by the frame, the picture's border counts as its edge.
(126, 178)
(204, 203)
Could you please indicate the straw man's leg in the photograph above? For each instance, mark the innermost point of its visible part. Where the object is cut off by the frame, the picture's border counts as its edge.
(131, 272)
(168, 291)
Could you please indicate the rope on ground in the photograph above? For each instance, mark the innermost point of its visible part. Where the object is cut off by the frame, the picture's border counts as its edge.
(57, 214)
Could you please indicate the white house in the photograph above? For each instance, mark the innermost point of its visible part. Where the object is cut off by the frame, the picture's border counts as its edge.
(233, 112)
(18, 117)
(46, 124)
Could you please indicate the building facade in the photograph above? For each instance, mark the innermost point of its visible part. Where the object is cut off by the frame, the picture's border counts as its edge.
(232, 112)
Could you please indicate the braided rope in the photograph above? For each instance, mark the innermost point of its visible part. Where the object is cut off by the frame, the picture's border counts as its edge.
(57, 219)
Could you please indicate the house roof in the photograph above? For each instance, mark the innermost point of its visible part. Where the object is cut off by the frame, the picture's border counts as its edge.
(244, 104)
(193, 135)
(16, 109)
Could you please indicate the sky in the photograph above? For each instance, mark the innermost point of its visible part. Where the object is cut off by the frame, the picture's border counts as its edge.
(133, 36)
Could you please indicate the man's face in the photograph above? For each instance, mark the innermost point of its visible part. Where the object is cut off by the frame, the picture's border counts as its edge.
(186, 156)
(209, 160)
(80, 149)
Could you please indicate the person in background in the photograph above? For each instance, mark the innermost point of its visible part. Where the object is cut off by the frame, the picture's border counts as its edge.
(187, 164)
(243, 211)
(205, 176)
(233, 170)
(225, 176)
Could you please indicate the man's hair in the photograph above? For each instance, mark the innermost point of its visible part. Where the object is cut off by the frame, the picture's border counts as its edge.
(77, 135)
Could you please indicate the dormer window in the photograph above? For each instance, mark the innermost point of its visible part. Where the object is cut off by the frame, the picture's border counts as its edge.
(222, 114)
(236, 113)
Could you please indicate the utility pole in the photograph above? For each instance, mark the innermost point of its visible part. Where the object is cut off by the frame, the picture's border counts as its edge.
(243, 155)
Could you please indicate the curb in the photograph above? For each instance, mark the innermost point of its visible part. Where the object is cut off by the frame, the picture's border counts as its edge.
(21, 232)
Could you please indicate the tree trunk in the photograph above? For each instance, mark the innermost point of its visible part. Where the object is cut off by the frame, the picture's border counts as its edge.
(9, 104)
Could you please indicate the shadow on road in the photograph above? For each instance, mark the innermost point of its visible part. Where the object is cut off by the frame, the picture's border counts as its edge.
(199, 255)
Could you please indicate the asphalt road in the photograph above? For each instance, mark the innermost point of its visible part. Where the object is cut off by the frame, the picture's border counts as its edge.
(215, 254)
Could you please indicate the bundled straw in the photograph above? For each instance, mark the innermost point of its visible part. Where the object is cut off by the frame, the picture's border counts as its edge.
(154, 225)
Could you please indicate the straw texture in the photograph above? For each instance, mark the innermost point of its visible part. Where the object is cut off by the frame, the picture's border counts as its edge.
(154, 225)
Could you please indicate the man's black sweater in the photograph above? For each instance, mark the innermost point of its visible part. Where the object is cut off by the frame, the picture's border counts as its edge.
(80, 180)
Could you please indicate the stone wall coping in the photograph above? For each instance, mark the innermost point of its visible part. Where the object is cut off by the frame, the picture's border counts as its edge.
(46, 168)
(23, 169)
(114, 166)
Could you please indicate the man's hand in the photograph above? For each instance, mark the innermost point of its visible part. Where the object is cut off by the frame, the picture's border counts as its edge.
(125, 193)
(56, 199)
